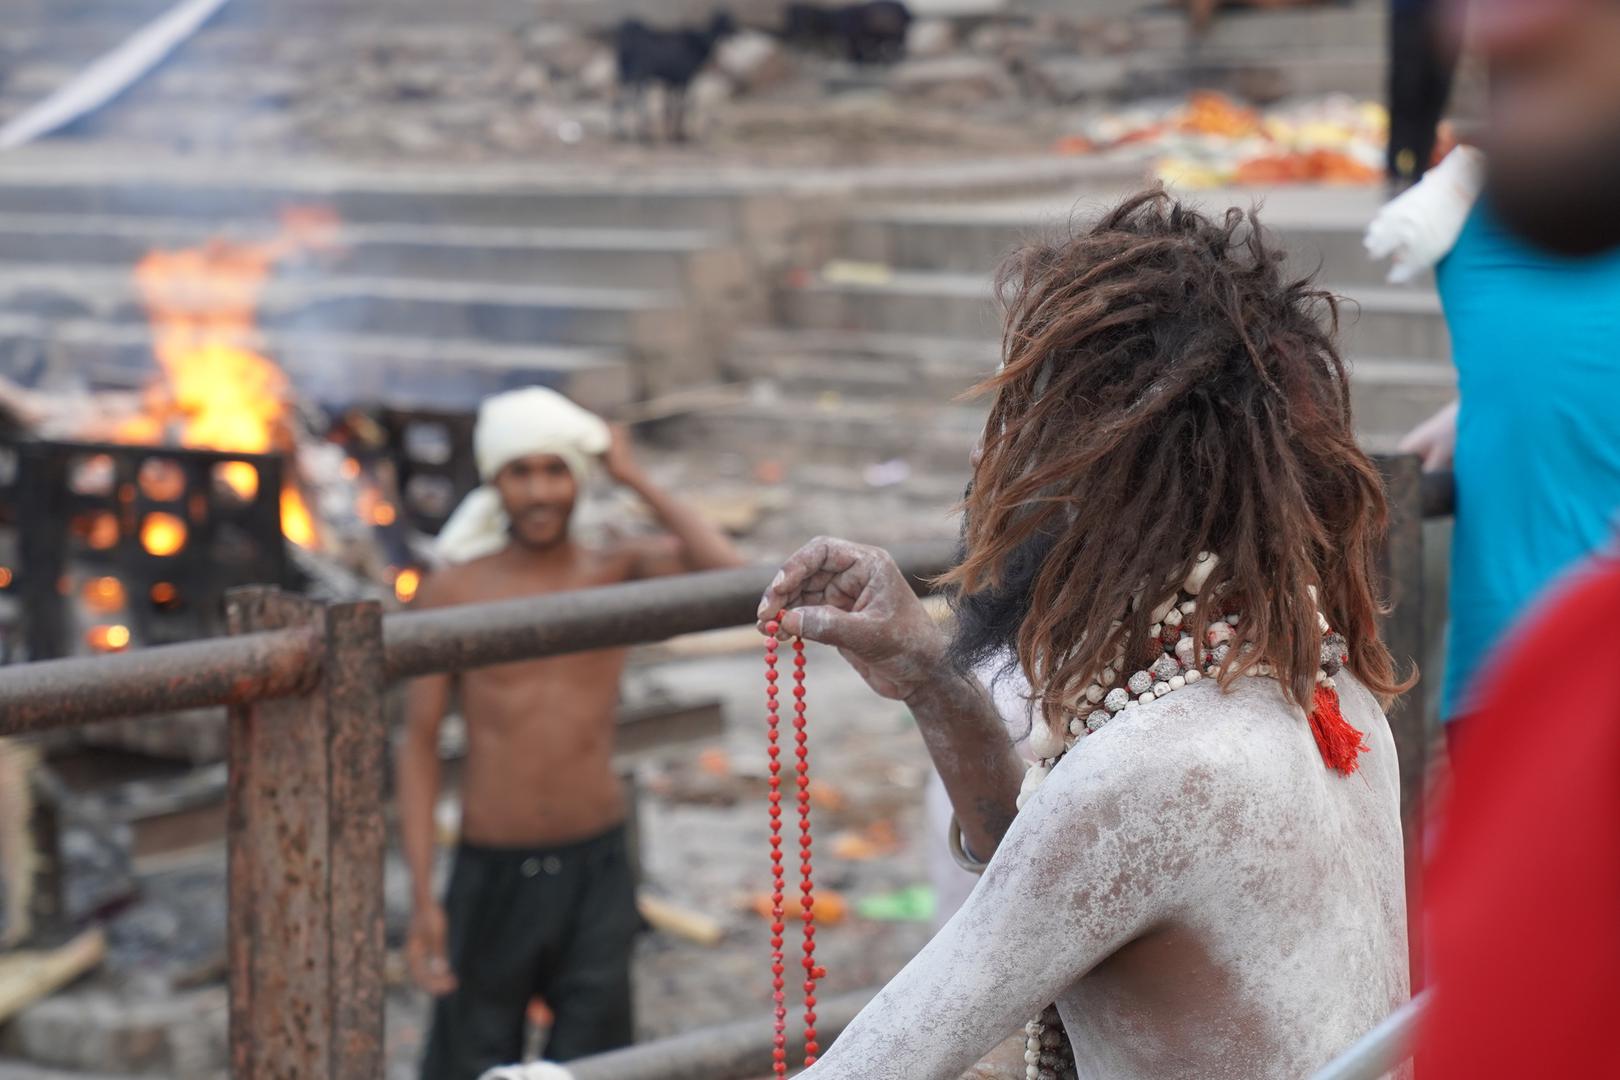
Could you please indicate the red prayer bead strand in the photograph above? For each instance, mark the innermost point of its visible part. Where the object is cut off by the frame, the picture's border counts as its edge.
(807, 885)
(778, 881)
(812, 972)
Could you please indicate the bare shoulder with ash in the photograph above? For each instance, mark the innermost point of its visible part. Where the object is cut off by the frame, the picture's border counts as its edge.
(1197, 892)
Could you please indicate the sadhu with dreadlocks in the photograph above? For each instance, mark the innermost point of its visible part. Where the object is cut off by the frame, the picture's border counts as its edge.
(1170, 535)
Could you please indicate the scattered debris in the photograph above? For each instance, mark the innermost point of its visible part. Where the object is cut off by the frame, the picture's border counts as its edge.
(28, 975)
(671, 918)
(850, 272)
(1212, 140)
(715, 761)
(888, 473)
(830, 906)
(754, 61)
(875, 841)
(914, 903)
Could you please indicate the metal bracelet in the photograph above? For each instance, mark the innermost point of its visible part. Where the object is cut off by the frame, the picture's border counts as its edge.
(959, 850)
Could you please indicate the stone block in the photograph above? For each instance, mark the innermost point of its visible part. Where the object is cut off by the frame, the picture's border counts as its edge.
(753, 61)
(564, 51)
(179, 1036)
(954, 80)
(930, 37)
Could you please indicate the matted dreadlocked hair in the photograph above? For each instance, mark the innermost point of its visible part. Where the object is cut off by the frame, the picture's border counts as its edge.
(1167, 391)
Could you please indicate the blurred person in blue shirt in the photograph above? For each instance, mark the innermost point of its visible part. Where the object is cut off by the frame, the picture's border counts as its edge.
(1534, 437)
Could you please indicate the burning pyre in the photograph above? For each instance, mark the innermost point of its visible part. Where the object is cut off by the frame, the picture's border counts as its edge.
(217, 389)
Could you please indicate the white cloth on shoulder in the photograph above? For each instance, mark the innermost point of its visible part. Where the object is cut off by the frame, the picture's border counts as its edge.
(538, 1070)
(1417, 228)
(513, 425)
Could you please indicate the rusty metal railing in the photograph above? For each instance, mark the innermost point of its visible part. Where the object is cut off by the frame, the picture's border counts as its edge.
(305, 833)
(262, 663)
(304, 683)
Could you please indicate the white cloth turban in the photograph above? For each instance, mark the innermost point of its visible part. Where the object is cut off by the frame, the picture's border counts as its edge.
(514, 425)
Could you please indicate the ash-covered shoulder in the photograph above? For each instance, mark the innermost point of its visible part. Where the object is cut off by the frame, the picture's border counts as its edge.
(1182, 783)
(1249, 735)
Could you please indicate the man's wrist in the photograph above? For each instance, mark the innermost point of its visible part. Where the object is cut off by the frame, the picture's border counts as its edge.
(943, 688)
(635, 480)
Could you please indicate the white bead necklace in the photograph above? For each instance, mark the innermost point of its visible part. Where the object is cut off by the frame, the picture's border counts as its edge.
(1047, 1053)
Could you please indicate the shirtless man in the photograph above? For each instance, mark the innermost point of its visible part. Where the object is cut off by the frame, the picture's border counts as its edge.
(540, 900)
(1208, 882)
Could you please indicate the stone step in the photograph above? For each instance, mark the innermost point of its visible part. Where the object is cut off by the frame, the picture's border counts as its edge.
(1361, 72)
(634, 258)
(30, 79)
(930, 368)
(70, 11)
(17, 1069)
(835, 430)
(1328, 26)
(1381, 321)
(335, 370)
(66, 177)
(1393, 321)
(1390, 396)
(435, 308)
(227, 196)
(953, 239)
(937, 304)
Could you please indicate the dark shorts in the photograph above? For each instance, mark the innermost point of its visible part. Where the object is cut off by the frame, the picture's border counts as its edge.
(556, 923)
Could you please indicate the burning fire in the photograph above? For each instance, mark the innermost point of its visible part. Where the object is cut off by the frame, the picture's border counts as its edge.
(217, 392)
(113, 638)
(163, 534)
(406, 584)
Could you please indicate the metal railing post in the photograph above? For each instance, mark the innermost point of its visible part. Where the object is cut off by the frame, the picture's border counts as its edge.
(1401, 566)
(1376, 1054)
(305, 843)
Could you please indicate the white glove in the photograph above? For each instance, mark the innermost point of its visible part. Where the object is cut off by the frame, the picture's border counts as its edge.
(1417, 228)
(538, 1070)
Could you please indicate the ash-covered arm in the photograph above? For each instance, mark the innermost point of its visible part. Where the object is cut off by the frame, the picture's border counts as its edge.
(1082, 872)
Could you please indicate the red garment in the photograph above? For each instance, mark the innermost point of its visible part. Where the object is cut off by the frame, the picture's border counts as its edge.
(1523, 896)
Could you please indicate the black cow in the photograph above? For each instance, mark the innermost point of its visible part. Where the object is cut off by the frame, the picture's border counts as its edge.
(867, 33)
(670, 57)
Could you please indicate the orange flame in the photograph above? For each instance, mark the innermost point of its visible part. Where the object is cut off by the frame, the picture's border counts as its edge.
(406, 584)
(113, 638)
(219, 393)
(163, 534)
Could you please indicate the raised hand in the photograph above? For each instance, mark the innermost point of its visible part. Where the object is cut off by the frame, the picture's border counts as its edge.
(854, 598)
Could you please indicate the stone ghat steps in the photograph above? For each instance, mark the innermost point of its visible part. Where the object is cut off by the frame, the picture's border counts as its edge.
(834, 430)
(1246, 74)
(70, 13)
(1381, 320)
(1355, 24)
(966, 240)
(667, 338)
(370, 197)
(512, 313)
(332, 369)
(662, 259)
(827, 369)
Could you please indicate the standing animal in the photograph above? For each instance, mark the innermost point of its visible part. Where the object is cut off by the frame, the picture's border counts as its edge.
(671, 58)
(867, 33)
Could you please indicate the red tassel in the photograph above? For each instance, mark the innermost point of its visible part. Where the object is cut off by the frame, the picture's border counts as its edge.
(1340, 743)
